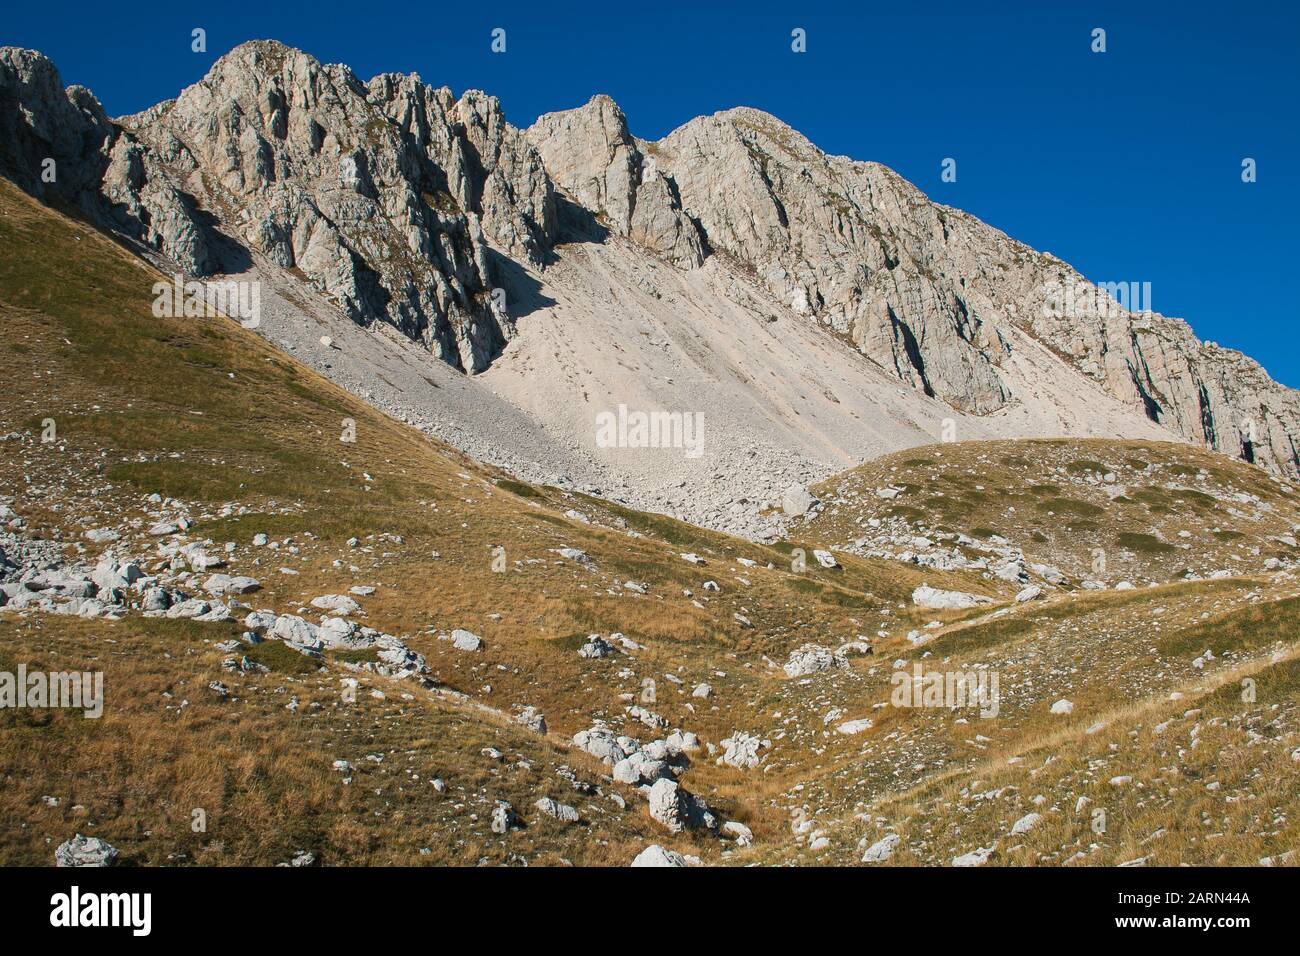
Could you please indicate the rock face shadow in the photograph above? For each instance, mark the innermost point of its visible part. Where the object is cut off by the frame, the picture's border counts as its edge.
(577, 223)
(524, 294)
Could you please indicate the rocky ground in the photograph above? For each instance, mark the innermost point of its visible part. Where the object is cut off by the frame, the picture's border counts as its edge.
(1107, 513)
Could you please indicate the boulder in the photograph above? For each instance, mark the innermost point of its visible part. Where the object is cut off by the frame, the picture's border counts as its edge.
(263, 620)
(640, 768)
(797, 501)
(682, 741)
(85, 851)
(503, 817)
(296, 631)
(811, 658)
(742, 751)
(336, 604)
(737, 831)
(825, 559)
(938, 600)
(1026, 823)
(1029, 594)
(560, 811)
(218, 584)
(977, 857)
(533, 719)
(882, 849)
(655, 855)
(338, 632)
(666, 805)
(464, 640)
(601, 743)
(595, 647)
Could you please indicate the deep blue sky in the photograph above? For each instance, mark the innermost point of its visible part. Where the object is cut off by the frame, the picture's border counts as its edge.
(1125, 164)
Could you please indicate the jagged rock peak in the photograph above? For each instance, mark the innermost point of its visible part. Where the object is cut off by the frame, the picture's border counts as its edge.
(392, 198)
(590, 152)
(40, 120)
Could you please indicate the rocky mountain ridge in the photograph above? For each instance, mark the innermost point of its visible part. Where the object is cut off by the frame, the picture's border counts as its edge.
(406, 206)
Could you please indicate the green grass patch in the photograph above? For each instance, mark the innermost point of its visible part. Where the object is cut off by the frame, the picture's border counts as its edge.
(360, 655)
(1071, 506)
(1143, 543)
(828, 594)
(519, 488)
(176, 478)
(1246, 628)
(281, 658)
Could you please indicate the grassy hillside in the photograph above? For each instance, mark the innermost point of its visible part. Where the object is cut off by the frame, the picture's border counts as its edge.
(159, 419)
(1152, 510)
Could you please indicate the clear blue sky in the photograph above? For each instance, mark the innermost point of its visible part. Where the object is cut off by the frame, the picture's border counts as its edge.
(1126, 164)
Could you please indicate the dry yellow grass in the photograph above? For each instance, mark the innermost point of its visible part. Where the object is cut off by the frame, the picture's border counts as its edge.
(1153, 509)
(207, 413)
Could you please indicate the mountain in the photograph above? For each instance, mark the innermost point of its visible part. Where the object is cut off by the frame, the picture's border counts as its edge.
(816, 310)
(932, 295)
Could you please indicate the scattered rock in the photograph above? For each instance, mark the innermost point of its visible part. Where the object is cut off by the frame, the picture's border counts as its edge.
(464, 640)
(938, 600)
(561, 811)
(882, 849)
(797, 501)
(596, 646)
(811, 658)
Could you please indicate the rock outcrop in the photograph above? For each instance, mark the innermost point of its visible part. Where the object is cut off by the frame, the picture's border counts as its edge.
(590, 153)
(398, 202)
